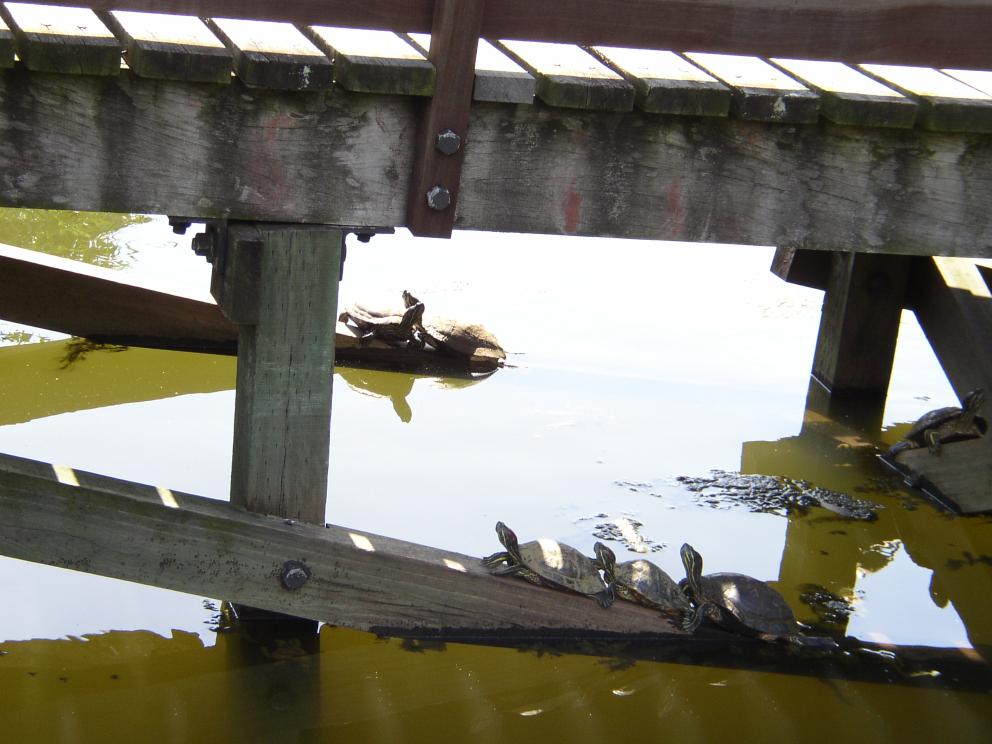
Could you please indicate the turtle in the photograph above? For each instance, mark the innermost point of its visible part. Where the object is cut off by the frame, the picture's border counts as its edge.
(393, 327)
(741, 604)
(549, 563)
(642, 581)
(469, 341)
(945, 425)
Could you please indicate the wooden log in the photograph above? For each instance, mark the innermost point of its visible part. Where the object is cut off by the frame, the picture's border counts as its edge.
(953, 304)
(158, 45)
(279, 156)
(188, 543)
(760, 91)
(665, 83)
(570, 77)
(946, 104)
(374, 61)
(274, 55)
(73, 40)
(280, 285)
(849, 97)
(497, 77)
(948, 33)
(958, 479)
(859, 326)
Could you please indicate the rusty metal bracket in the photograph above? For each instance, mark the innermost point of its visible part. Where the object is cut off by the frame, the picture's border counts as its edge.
(442, 130)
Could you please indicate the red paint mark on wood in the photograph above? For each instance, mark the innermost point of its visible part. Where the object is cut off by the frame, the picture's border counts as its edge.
(676, 210)
(573, 212)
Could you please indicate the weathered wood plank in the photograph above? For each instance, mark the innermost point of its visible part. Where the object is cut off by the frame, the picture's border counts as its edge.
(946, 104)
(442, 127)
(806, 268)
(73, 297)
(859, 325)
(6, 45)
(273, 55)
(280, 285)
(169, 46)
(665, 83)
(497, 77)
(173, 540)
(73, 142)
(959, 478)
(570, 77)
(947, 33)
(849, 97)
(760, 91)
(953, 304)
(374, 61)
(70, 40)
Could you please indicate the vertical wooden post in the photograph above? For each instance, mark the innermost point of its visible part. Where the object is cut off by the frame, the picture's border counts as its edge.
(279, 283)
(856, 343)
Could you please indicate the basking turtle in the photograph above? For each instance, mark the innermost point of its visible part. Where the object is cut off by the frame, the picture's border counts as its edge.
(391, 326)
(642, 582)
(740, 603)
(550, 563)
(945, 425)
(469, 341)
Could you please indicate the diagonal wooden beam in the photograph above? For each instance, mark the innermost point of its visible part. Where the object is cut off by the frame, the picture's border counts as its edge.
(442, 131)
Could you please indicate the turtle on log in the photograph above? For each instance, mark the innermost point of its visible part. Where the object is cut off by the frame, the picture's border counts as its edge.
(392, 326)
(471, 342)
(549, 563)
(945, 425)
(642, 582)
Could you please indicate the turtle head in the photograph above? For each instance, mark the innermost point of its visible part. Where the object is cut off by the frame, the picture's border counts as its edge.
(693, 563)
(508, 537)
(973, 401)
(606, 559)
(409, 300)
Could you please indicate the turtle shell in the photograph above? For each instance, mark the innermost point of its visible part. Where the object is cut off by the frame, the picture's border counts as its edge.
(645, 583)
(932, 420)
(463, 339)
(561, 565)
(750, 602)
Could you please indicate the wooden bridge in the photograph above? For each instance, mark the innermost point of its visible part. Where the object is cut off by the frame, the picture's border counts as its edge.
(314, 119)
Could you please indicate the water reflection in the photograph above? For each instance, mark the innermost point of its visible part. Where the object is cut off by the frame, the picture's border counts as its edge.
(397, 387)
(80, 236)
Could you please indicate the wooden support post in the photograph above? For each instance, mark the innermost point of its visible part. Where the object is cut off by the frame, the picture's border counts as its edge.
(279, 283)
(856, 343)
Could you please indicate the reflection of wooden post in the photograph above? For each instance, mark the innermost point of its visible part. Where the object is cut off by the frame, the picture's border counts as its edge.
(279, 284)
(856, 343)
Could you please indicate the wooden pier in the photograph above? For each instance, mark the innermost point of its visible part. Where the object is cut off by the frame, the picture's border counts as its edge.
(310, 121)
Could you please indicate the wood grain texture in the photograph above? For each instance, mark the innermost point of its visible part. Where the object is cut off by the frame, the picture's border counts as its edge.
(52, 39)
(945, 33)
(274, 55)
(961, 474)
(173, 540)
(282, 408)
(454, 42)
(125, 145)
(946, 104)
(760, 91)
(849, 97)
(167, 46)
(570, 77)
(6, 45)
(374, 61)
(665, 83)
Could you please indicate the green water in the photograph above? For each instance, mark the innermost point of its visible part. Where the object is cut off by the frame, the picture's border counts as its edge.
(631, 364)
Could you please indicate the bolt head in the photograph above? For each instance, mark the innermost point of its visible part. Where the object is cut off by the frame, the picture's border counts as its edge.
(203, 244)
(448, 141)
(438, 198)
(294, 574)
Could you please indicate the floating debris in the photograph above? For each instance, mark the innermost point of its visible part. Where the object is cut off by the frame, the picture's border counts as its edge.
(773, 494)
(626, 531)
(830, 608)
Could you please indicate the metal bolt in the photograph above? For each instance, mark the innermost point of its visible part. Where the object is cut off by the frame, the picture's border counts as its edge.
(448, 141)
(294, 574)
(438, 198)
(179, 225)
(203, 244)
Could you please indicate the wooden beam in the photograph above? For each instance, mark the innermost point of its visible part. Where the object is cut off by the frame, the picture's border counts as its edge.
(859, 326)
(946, 33)
(280, 285)
(62, 39)
(959, 478)
(159, 537)
(122, 145)
(442, 128)
(953, 304)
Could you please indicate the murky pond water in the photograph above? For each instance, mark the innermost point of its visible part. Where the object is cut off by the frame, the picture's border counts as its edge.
(636, 370)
